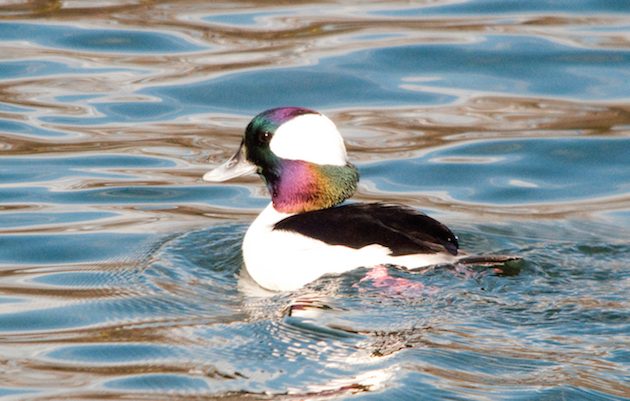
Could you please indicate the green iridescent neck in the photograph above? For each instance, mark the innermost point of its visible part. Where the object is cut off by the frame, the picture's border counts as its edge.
(301, 186)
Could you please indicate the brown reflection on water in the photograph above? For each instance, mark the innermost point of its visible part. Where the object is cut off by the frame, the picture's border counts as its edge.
(279, 40)
(371, 135)
(405, 132)
(284, 38)
(195, 142)
(590, 373)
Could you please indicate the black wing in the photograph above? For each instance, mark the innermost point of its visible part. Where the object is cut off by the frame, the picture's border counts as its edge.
(403, 230)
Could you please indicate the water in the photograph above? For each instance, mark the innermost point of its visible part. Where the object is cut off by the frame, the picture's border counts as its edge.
(120, 271)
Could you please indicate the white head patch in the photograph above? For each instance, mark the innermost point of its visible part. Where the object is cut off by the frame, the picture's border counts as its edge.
(309, 137)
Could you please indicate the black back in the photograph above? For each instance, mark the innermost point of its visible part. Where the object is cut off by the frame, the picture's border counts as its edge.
(403, 230)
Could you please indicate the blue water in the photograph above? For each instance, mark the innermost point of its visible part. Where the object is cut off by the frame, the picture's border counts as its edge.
(120, 270)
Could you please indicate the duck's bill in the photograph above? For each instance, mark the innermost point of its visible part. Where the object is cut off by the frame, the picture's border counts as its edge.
(236, 166)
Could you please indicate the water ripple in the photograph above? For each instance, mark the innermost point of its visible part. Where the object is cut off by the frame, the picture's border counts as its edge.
(120, 271)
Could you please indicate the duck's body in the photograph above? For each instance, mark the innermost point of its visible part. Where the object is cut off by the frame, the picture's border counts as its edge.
(304, 232)
(286, 251)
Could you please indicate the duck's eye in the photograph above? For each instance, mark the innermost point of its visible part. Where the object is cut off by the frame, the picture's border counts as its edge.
(264, 137)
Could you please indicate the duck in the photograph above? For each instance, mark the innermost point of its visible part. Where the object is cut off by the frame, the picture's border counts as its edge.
(310, 229)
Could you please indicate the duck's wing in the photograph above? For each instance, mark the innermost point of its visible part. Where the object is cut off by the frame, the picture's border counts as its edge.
(404, 231)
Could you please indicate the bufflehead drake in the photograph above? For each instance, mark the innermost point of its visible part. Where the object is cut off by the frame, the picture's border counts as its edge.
(305, 232)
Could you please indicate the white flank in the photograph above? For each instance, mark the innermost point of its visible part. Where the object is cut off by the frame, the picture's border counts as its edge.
(284, 261)
(309, 137)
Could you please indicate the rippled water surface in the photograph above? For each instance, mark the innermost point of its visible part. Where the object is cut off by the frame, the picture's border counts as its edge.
(120, 270)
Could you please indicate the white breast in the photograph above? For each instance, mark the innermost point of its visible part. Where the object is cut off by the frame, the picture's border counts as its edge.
(284, 261)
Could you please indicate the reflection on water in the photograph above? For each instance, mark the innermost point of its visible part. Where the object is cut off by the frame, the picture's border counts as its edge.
(120, 271)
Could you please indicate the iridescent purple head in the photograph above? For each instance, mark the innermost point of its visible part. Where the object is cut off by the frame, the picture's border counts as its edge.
(301, 156)
(261, 130)
(279, 115)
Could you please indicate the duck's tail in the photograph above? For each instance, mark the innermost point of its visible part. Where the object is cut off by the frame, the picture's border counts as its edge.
(506, 265)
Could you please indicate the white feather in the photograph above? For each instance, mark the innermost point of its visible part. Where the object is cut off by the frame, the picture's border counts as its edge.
(309, 137)
(284, 261)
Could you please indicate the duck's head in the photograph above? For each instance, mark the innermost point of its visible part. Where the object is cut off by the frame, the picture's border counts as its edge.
(301, 157)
